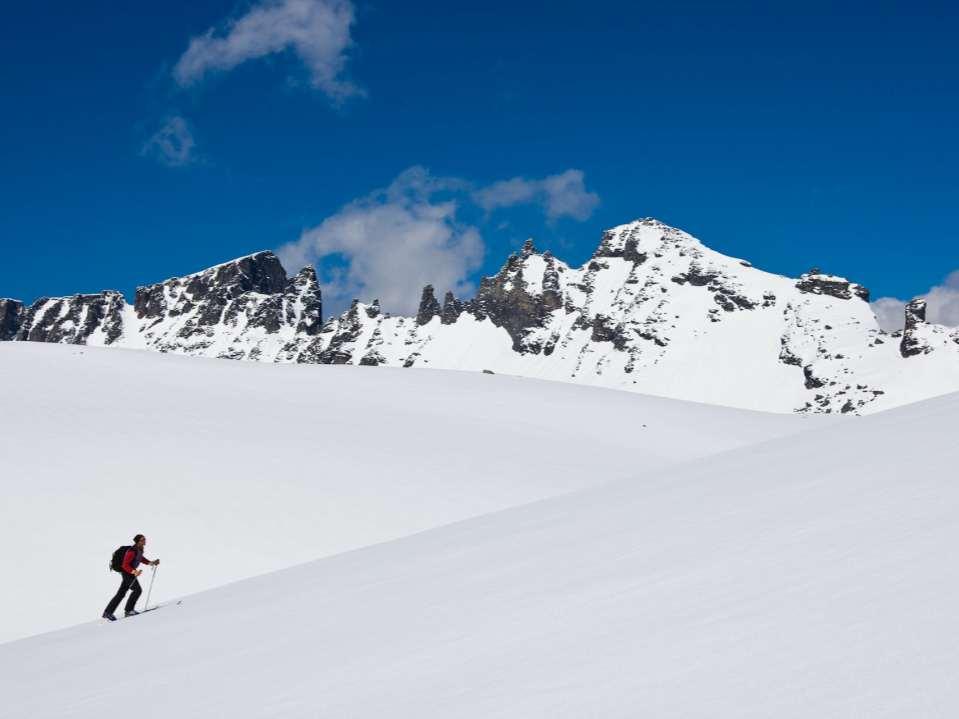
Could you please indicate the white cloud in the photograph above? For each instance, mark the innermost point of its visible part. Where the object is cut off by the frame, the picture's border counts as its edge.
(562, 195)
(890, 313)
(173, 144)
(942, 306)
(391, 243)
(317, 31)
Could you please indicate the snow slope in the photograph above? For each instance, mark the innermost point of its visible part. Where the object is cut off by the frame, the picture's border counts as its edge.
(809, 576)
(234, 469)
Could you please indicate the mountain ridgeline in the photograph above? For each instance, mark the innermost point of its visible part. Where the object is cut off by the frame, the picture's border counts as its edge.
(652, 311)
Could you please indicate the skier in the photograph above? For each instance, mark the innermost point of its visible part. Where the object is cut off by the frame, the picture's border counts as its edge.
(131, 560)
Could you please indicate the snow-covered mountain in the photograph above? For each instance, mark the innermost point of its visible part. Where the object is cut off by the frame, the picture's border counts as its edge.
(653, 311)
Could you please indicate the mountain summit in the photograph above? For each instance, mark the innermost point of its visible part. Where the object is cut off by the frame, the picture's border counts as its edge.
(653, 311)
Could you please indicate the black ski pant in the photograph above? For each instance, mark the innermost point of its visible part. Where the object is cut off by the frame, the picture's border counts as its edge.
(126, 582)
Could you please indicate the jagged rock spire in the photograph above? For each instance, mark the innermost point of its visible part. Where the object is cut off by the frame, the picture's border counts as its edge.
(452, 309)
(305, 290)
(912, 344)
(429, 307)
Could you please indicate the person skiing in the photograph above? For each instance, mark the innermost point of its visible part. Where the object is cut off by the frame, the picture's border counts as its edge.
(131, 560)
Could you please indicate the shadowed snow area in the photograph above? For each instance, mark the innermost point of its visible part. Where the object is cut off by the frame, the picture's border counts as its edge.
(808, 576)
(233, 469)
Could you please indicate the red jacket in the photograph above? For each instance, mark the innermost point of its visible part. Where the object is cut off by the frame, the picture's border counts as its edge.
(132, 559)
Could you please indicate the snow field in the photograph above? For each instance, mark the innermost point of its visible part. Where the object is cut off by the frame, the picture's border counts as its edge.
(807, 576)
(233, 469)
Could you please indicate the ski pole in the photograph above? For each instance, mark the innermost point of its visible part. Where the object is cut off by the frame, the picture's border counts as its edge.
(153, 576)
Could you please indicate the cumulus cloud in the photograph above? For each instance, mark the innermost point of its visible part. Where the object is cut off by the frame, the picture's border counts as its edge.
(316, 31)
(173, 144)
(562, 195)
(942, 306)
(391, 243)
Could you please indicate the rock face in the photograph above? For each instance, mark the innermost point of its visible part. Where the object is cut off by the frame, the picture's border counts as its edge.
(10, 311)
(814, 282)
(653, 310)
(429, 307)
(80, 319)
(244, 309)
(912, 341)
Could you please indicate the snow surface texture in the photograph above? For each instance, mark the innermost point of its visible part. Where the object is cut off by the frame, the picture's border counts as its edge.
(808, 576)
(233, 469)
(653, 311)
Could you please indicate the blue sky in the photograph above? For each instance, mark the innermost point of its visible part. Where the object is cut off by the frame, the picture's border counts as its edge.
(397, 141)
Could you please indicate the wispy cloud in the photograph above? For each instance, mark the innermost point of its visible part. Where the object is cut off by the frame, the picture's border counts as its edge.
(942, 306)
(173, 144)
(316, 31)
(562, 195)
(391, 243)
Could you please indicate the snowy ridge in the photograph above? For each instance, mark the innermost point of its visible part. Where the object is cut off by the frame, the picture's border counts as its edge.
(653, 311)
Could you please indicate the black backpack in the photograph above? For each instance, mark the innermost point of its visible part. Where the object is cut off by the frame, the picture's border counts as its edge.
(116, 561)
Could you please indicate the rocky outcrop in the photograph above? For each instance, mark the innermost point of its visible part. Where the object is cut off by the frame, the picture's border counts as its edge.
(232, 310)
(339, 348)
(510, 301)
(912, 343)
(212, 291)
(429, 307)
(80, 319)
(10, 312)
(452, 309)
(814, 282)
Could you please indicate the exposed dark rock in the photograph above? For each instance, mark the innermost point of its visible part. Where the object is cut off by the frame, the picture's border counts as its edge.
(452, 309)
(813, 282)
(696, 276)
(10, 314)
(812, 382)
(372, 359)
(629, 250)
(373, 310)
(73, 320)
(505, 299)
(347, 330)
(552, 298)
(786, 355)
(214, 288)
(306, 288)
(912, 344)
(429, 307)
(605, 330)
